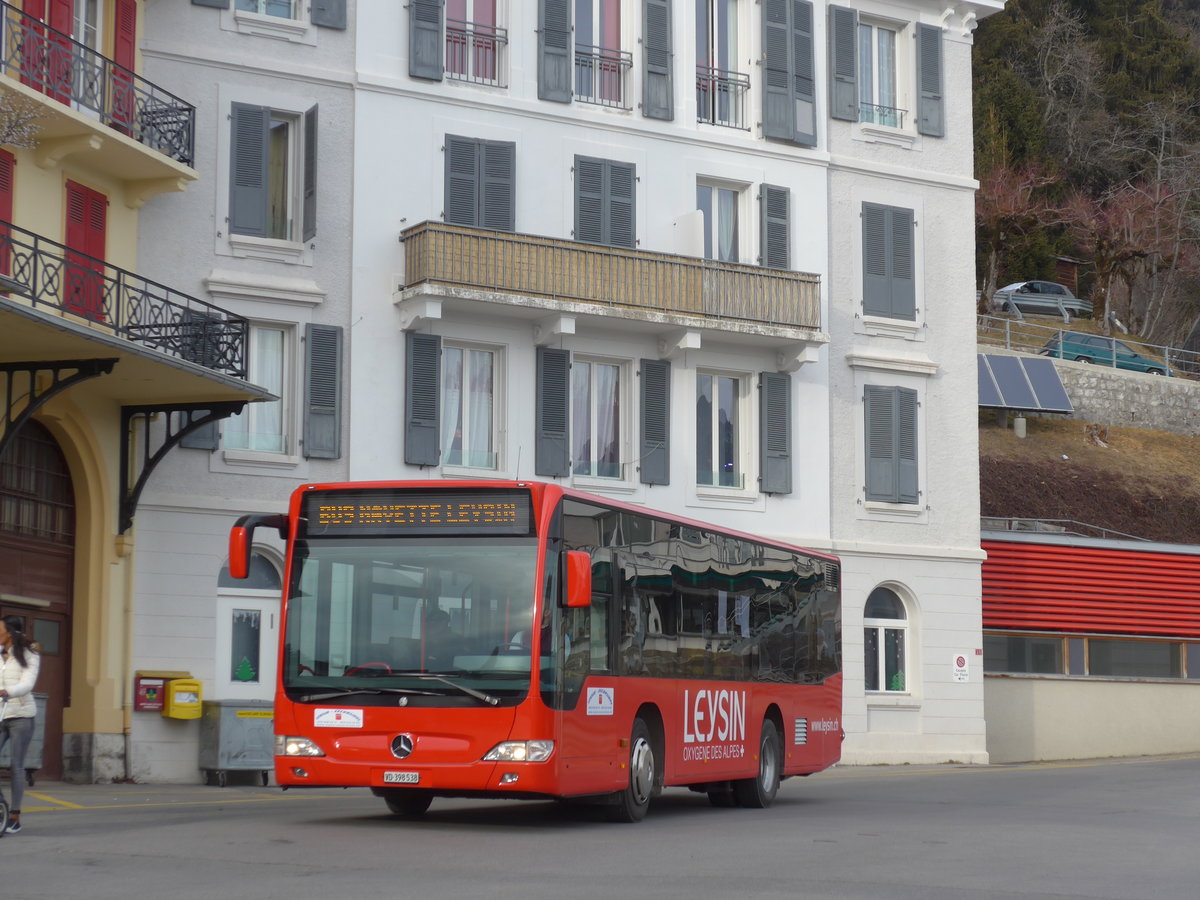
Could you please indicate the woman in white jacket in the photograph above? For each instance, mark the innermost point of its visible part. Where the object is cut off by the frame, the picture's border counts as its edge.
(19, 661)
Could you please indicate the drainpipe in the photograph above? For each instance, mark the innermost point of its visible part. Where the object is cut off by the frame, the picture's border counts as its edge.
(125, 553)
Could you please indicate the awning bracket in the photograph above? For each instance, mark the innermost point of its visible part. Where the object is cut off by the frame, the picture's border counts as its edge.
(63, 374)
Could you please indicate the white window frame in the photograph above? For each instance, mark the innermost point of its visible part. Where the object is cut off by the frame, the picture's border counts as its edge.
(499, 414)
(712, 226)
(289, 425)
(624, 395)
(880, 627)
(296, 28)
(745, 431)
(904, 73)
(297, 251)
(88, 29)
(267, 603)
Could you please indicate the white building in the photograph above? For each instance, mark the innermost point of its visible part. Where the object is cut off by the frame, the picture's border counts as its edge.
(766, 206)
(266, 229)
(714, 256)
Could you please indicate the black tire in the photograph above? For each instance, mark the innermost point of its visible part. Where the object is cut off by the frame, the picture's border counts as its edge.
(633, 802)
(1084, 359)
(3, 816)
(408, 803)
(1156, 372)
(759, 793)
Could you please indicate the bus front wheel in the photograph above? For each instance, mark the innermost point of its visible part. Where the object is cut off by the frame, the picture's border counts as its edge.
(758, 793)
(633, 802)
(408, 803)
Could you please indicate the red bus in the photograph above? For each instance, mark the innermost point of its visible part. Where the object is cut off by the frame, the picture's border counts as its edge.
(524, 640)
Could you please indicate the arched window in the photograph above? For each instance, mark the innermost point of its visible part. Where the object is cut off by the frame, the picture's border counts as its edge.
(884, 633)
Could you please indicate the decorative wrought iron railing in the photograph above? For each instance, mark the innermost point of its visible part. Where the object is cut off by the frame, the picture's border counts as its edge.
(91, 291)
(721, 97)
(621, 279)
(67, 71)
(600, 76)
(476, 52)
(881, 115)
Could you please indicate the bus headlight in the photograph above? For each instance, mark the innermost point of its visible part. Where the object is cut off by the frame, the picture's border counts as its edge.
(520, 751)
(290, 745)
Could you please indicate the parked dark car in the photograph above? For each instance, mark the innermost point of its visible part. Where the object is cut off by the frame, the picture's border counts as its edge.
(1040, 298)
(1095, 348)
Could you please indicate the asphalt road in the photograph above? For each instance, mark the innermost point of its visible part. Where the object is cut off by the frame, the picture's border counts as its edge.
(1127, 829)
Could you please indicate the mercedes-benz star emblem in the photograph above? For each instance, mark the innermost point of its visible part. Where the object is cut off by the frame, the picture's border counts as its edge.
(402, 746)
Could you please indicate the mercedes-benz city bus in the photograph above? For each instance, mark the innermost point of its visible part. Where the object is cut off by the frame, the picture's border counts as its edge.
(524, 640)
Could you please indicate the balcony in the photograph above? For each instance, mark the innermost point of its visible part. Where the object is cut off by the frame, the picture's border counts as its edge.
(94, 103)
(721, 97)
(601, 75)
(476, 52)
(873, 114)
(623, 281)
(90, 296)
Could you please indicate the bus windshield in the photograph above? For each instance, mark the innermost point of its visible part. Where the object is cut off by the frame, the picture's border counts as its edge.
(420, 621)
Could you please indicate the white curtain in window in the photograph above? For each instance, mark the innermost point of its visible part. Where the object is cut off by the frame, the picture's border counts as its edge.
(608, 416)
(452, 424)
(479, 410)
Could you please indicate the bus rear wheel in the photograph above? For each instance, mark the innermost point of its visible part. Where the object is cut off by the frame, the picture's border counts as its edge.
(408, 803)
(633, 802)
(759, 793)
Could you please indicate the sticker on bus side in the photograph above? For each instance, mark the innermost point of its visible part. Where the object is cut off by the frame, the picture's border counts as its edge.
(600, 701)
(337, 718)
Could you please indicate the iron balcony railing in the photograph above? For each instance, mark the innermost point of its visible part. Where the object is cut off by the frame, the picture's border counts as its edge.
(89, 290)
(881, 115)
(721, 97)
(476, 52)
(65, 70)
(600, 76)
(463, 257)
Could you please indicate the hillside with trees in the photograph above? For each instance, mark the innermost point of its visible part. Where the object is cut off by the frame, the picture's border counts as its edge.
(1087, 138)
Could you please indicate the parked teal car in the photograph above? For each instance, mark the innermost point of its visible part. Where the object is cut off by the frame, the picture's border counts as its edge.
(1095, 348)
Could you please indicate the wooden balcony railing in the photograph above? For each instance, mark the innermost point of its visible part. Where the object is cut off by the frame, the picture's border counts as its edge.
(456, 256)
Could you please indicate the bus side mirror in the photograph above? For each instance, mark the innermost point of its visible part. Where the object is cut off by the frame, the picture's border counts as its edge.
(241, 539)
(579, 579)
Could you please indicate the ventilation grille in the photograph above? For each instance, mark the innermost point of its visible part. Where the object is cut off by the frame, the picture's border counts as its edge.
(800, 732)
(833, 577)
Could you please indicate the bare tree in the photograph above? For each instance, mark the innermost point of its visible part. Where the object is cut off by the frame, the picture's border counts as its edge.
(1010, 202)
(18, 120)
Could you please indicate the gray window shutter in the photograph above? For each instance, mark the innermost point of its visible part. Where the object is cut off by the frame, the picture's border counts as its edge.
(843, 63)
(425, 38)
(776, 241)
(206, 437)
(619, 210)
(880, 405)
(903, 282)
(775, 439)
(248, 170)
(931, 114)
(329, 14)
(803, 78)
(906, 446)
(422, 398)
(309, 230)
(462, 181)
(498, 185)
(553, 417)
(322, 391)
(658, 101)
(215, 4)
(889, 282)
(777, 72)
(589, 200)
(554, 50)
(655, 457)
(199, 338)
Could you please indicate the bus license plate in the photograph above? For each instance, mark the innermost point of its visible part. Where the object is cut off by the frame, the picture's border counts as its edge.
(401, 777)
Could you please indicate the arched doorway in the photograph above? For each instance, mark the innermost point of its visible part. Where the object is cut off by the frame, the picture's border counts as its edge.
(37, 562)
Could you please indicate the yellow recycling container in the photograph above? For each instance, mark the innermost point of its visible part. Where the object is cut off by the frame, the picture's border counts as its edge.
(182, 700)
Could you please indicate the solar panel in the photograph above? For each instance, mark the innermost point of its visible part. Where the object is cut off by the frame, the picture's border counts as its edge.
(1021, 383)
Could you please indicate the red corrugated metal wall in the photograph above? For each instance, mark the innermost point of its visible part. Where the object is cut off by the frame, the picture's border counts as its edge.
(1093, 590)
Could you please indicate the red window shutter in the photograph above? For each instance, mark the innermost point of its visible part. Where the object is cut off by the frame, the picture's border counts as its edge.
(35, 8)
(83, 288)
(62, 15)
(124, 45)
(7, 162)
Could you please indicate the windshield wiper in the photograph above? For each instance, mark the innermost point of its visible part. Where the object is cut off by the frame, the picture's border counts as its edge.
(470, 692)
(333, 693)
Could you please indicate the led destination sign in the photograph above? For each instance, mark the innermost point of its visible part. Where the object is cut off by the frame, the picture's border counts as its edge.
(383, 512)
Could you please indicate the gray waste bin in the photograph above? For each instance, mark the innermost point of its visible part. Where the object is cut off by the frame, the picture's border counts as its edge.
(236, 736)
(33, 756)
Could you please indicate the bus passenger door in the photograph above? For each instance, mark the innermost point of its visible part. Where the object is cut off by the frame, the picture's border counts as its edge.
(590, 756)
